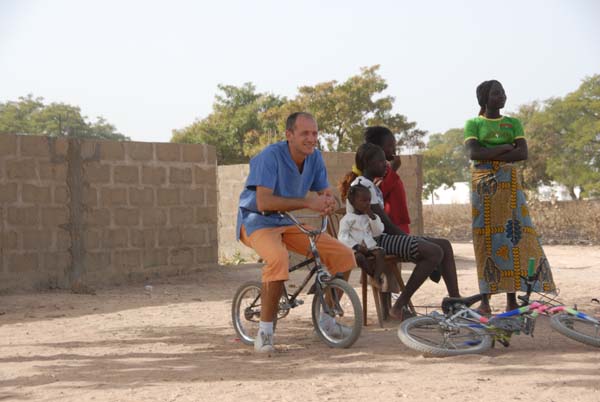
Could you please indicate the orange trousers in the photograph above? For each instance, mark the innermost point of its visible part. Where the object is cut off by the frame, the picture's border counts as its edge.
(272, 245)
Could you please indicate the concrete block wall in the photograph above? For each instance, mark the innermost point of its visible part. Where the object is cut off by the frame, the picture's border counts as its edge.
(103, 211)
(231, 180)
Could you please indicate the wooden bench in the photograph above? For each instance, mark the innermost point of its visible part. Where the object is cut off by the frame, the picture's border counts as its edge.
(383, 301)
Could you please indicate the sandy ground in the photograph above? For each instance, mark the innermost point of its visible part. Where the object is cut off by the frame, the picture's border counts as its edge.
(177, 344)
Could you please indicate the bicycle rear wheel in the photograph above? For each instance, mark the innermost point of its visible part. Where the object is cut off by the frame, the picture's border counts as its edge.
(579, 329)
(337, 314)
(245, 311)
(432, 336)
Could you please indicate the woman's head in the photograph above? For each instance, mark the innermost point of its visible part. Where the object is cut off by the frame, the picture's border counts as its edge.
(370, 160)
(490, 95)
(384, 138)
(360, 197)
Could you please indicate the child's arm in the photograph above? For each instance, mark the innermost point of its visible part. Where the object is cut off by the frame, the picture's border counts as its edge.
(376, 226)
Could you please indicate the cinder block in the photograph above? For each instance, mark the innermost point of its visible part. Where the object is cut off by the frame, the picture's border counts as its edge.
(8, 144)
(207, 215)
(63, 240)
(90, 196)
(61, 195)
(193, 153)
(112, 150)
(205, 175)
(180, 176)
(140, 151)
(21, 169)
(23, 262)
(113, 196)
(8, 192)
(56, 262)
(114, 239)
(193, 196)
(91, 239)
(168, 196)
(9, 240)
(35, 194)
(154, 175)
(154, 217)
(169, 237)
(53, 171)
(144, 196)
(34, 145)
(96, 172)
(126, 174)
(144, 238)
(90, 150)
(55, 216)
(168, 152)
(182, 256)
(37, 240)
(211, 196)
(98, 217)
(206, 255)
(99, 261)
(192, 236)
(23, 216)
(181, 215)
(127, 216)
(211, 155)
(126, 259)
(156, 257)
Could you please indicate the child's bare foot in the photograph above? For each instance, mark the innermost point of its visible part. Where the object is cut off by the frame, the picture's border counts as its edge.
(484, 309)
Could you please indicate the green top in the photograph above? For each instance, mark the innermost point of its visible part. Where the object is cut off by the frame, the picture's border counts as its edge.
(491, 132)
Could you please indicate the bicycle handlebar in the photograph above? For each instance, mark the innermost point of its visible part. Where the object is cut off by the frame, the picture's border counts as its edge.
(299, 224)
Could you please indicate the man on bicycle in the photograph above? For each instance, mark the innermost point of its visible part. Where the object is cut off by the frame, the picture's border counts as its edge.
(287, 176)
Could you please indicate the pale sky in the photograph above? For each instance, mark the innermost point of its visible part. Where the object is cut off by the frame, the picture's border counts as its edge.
(152, 66)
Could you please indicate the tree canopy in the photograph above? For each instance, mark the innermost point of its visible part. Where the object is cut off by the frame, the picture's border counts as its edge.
(243, 120)
(31, 115)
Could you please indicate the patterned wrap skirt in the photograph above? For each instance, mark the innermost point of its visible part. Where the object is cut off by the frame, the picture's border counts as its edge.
(504, 237)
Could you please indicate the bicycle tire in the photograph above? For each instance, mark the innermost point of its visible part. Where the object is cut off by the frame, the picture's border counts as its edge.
(568, 325)
(351, 316)
(407, 333)
(245, 322)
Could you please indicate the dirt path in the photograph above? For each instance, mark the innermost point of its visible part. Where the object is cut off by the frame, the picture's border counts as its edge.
(178, 345)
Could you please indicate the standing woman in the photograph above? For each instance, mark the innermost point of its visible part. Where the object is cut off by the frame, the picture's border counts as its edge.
(503, 234)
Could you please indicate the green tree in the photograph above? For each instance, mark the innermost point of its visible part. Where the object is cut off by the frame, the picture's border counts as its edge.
(244, 121)
(344, 110)
(240, 118)
(444, 161)
(30, 115)
(563, 137)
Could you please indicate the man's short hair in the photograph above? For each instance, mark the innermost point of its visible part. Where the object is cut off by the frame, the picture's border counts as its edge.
(291, 120)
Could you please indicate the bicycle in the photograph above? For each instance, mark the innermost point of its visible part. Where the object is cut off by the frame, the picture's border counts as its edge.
(332, 296)
(462, 330)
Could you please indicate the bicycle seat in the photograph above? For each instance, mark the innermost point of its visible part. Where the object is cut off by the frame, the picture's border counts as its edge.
(450, 303)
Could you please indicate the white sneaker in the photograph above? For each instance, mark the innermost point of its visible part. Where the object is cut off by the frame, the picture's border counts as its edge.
(338, 330)
(263, 343)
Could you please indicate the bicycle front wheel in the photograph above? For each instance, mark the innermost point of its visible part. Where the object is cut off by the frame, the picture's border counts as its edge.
(432, 336)
(337, 314)
(579, 329)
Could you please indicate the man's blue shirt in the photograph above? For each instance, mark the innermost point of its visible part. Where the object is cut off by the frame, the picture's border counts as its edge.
(274, 168)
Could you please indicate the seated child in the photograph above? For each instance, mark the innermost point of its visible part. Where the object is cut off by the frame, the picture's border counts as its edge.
(357, 231)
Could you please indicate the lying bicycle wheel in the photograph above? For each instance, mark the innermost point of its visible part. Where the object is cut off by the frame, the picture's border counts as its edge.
(579, 329)
(432, 336)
